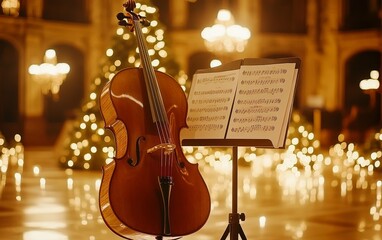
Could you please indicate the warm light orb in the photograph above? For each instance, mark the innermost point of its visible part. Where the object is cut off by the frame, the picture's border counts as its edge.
(374, 74)
(109, 52)
(50, 54)
(215, 63)
(224, 15)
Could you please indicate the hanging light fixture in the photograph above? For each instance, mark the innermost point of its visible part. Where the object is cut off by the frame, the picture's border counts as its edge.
(10, 7)
(225, 35)
(50, 74)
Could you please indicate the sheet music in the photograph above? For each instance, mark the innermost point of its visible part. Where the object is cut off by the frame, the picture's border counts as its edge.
(287, 116)
(262, 98)
(243, 102)
(210, 102)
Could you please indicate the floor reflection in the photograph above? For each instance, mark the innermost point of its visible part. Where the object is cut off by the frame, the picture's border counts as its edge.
(44, 234)
(328, 200)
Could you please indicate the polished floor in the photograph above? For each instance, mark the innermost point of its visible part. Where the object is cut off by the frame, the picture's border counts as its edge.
(40, 201)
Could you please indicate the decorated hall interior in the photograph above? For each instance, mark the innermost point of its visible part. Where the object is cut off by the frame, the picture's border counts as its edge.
(59, 135)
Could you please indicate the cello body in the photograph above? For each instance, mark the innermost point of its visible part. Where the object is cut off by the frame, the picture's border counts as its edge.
(134, 202)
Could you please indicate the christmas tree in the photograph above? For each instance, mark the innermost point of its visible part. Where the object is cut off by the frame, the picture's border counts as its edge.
(88, 145)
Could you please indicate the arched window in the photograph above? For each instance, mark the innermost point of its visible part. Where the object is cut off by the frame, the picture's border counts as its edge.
(72, 89)
(66, 10)
(360, 14)
(9, 87)
(357, 68)
(283, 16)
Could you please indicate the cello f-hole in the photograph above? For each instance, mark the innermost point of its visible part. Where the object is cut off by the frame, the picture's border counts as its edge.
(130, 161)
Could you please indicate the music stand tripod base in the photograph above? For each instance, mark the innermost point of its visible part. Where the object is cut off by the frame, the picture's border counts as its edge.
(234, 228)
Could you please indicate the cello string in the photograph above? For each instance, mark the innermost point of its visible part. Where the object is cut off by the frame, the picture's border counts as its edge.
(151, 81)
(149, 84)
(153, 86)
(161, 118)
(158, 97)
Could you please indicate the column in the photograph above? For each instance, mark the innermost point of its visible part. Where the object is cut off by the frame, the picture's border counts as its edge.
(34, 104)
(178, 14)
(34, 8)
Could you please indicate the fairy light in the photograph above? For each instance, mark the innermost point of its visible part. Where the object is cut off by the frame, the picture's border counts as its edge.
(126, 36)
(120, 31)
(36, 170)
(69, 183)
(109, 52)
(154, 23)
(262, 221)
(42, 183)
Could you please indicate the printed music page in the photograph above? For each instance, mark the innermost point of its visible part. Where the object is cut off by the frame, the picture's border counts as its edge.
(247, 102)
(209, 104)
(263, 102)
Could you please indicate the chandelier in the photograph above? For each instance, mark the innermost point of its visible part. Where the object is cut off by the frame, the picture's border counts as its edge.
(50, 74)
(10, 7)
(225, 35)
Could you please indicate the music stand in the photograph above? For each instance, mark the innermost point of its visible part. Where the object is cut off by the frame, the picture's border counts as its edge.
(235, 99)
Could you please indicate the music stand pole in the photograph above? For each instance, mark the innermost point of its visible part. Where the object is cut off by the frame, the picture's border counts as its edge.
(234, 228)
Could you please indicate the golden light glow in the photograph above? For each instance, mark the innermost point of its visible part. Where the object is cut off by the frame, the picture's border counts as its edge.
(372, 83)
(11, 7)
(109, 52)
(50, 74)
(225, 35)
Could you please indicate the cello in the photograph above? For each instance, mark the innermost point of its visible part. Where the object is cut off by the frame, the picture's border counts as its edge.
(149, 190)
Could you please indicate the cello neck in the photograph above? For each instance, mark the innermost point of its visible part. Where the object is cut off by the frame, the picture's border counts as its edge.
(158, 112)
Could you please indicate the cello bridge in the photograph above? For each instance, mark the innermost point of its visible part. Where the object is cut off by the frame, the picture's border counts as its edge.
(168, 148)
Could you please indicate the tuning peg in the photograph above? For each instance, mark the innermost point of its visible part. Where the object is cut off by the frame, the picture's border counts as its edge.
(124, 23)
(145, 22)
(121, 16)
